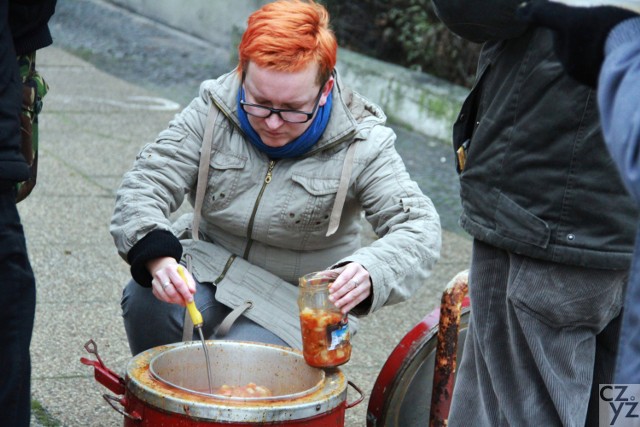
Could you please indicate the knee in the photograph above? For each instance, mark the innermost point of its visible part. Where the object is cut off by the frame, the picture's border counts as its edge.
(133, 297)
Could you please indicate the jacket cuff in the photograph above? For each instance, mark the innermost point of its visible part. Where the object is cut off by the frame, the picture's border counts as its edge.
(158, 243)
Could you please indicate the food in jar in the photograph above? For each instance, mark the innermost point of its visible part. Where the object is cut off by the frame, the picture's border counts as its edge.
(249, 390)
(325, 336)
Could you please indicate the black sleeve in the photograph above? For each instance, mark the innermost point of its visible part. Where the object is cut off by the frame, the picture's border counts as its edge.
(158, 243)
(13, 167)
(29, 21)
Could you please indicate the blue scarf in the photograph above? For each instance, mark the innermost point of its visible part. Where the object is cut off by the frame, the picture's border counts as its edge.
(298, 146)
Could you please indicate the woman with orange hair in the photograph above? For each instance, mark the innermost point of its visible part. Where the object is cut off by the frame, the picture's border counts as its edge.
(279, 160)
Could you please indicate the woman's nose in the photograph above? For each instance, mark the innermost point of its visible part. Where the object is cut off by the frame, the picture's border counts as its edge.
(274, 121)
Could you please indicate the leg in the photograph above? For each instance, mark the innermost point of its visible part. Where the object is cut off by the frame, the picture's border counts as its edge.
(17, 284)
(533, 334)
(473, 394)
(245, 329)
(604, 367)
(17, 311)
(568, 316)
(150, 322)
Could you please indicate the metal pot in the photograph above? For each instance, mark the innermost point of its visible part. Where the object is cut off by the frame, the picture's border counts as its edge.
(168, 385)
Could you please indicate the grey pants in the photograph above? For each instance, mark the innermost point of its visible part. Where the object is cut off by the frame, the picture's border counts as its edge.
(150, 322)
(542, 336)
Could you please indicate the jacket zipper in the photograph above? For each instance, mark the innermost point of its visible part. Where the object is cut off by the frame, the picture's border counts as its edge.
(224, 270)
(267, 180)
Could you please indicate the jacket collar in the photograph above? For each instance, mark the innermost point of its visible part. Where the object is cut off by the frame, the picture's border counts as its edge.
(351, 115)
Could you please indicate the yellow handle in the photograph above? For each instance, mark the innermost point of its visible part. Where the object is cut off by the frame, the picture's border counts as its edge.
(196, 317)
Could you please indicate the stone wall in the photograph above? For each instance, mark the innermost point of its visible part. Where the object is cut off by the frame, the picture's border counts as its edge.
(415, 100)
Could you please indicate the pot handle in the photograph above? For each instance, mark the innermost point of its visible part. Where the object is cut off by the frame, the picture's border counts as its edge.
(112, 400)
(359, 399)
(102, 374)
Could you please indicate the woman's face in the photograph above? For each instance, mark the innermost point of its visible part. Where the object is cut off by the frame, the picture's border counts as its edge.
(284, 91)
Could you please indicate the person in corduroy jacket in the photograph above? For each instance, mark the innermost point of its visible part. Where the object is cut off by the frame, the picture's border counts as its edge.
(605, 55)
(553, 230)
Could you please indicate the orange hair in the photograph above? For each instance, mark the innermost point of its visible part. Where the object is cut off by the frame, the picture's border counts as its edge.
(287, 35)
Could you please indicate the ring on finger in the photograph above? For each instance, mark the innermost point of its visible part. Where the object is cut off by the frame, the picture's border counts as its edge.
(165, 284)
(355, 283)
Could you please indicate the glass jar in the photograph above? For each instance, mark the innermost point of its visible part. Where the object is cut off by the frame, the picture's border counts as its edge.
(326, 340)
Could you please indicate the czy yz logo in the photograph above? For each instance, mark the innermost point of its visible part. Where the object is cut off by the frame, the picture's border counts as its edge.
(620, 402)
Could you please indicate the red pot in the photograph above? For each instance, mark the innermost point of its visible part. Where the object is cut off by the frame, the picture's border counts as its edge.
(168, 386)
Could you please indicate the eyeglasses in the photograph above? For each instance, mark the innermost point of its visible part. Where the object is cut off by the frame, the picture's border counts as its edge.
(289, 116)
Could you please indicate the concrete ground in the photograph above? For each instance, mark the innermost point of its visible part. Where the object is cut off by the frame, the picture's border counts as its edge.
(92, 126)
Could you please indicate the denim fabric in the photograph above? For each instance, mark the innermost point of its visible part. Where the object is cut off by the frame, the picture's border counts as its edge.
(17, 312)
(542, 336)
(150, 322)
(628, 365)
(618, 99)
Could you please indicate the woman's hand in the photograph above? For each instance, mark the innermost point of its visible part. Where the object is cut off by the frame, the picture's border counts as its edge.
(167, 284)
(351, 287)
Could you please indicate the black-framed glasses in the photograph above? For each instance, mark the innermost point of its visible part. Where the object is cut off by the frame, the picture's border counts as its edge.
(289, 116)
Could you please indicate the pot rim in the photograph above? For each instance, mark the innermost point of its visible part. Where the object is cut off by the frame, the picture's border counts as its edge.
(143, 385)
(158, 357)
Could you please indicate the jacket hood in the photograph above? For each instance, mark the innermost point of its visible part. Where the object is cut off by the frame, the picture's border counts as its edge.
(352, 116)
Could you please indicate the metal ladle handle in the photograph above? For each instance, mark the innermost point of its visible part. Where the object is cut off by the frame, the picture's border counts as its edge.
(196, 316)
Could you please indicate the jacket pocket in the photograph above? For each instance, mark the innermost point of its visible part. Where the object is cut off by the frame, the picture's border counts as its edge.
(517, 223)
(309, 203)
(224, 174)
(159, 153)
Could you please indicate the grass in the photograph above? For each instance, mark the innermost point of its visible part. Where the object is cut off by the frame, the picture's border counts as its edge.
(40, 414)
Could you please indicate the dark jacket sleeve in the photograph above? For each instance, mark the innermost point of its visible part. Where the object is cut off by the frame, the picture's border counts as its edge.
(13, 167)
(481, 20)
(29, 20)
(158, 243)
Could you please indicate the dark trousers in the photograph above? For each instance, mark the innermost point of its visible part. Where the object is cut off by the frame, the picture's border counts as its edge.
(17, 311)
(542, 337)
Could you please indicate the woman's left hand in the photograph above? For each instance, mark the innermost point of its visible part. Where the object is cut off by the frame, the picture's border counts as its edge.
(351, 287)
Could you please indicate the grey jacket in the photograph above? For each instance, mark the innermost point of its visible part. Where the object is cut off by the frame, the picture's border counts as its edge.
(274, 214)
(538, 179)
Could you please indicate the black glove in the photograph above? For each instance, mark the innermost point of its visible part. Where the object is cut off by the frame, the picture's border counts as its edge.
(579, 33)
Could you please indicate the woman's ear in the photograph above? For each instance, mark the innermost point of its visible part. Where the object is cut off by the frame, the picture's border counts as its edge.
(328, 87)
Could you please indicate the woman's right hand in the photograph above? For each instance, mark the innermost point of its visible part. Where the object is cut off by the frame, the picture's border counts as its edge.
(167, 285)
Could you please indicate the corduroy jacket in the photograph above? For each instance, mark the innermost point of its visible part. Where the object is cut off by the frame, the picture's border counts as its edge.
(537, 178)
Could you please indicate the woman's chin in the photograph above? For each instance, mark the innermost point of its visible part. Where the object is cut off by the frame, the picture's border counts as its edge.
(275, 143)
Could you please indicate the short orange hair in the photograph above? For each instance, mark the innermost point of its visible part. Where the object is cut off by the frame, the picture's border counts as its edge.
(287, 35)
